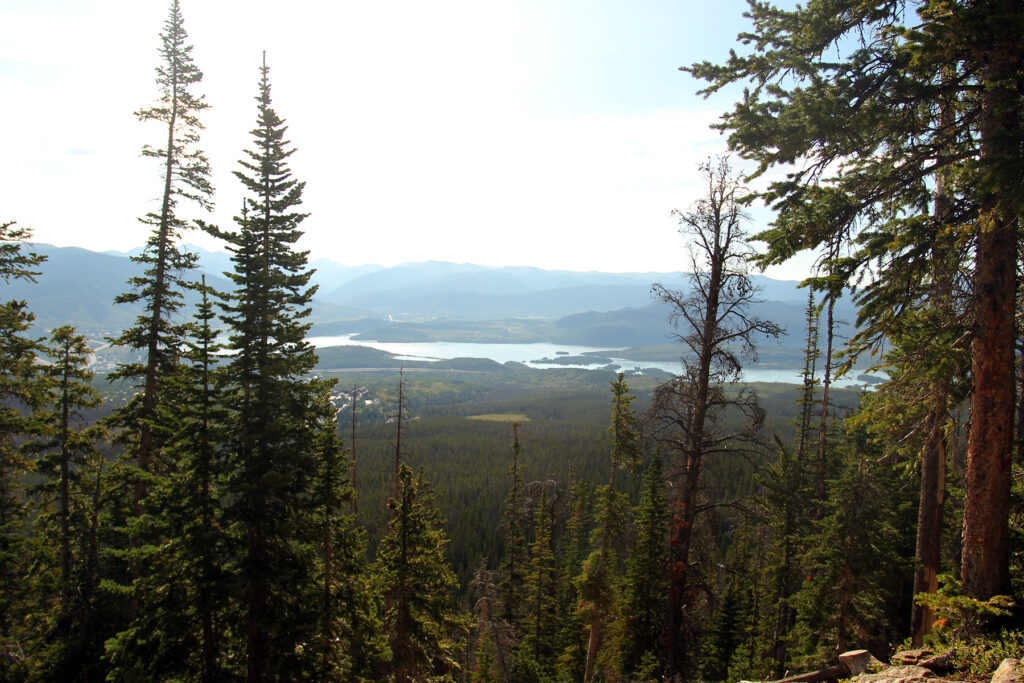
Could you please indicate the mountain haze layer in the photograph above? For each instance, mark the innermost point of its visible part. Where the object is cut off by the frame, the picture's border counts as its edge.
(429, 301)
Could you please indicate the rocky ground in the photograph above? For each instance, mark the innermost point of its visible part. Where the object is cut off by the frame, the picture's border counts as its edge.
(907, 666)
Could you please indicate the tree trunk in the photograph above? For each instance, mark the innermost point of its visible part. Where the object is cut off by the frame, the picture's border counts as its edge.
(986, 569)
(65, 484)
(355, 461)
(819, 484)
(929, 515)
(256, 637)
(933, 456)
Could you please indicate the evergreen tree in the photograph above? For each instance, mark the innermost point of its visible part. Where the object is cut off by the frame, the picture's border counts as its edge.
(157, 332)
(927, 363)
(646, 583)
(573, 636)
(185, 175)
(494, 636)
(185, 590)
(599, 576)
(911, 418)
(808, 377)
(348, 633)
(400, 421)
(746, 580)
(274, 418)
(420, 618)
(515, 541)
(723, 636)
(855, 561)
(857, 96)
(786, 485)
(74, 651)
(20, 392)
(540, 584)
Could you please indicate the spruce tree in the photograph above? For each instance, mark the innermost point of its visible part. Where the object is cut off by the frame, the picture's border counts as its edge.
(494, 637)
(856, 96)
(540, 590)
(274, 418)
(645, 586)
(599, 576)
(573, 637)
(156, 336)
(21, 391)
(786, 484)
(197, 489)
(808, 378)
(723, 636)
(514, 557)
(420, 618)
(911, 417)
(184, 593)
(74, 644)
(159, 289)
(856, 560)
(348, 636)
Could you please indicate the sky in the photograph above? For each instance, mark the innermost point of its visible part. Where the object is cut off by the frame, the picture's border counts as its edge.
(551, 133)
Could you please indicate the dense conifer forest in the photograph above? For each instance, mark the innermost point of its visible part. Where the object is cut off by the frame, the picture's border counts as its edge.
(226, 506)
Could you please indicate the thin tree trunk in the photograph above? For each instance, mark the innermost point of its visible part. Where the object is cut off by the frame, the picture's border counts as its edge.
(355, 462)
(819, 487)
(929, 516)
(328, 616)
(597, 612)
(65, 483)
(256, 638)
(398, 428)
(150, 389)
(687, 503)
(933, 456)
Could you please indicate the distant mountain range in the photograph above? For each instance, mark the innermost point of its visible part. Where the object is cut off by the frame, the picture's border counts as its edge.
(416, 301)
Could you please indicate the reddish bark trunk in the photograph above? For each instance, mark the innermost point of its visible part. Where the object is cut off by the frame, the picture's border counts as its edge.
(986, 508)
(986, 569)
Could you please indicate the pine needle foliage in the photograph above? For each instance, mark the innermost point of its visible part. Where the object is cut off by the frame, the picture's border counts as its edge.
(273, 402)
(420, 617)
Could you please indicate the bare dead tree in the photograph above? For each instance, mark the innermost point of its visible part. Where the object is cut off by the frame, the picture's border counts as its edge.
(717, 331)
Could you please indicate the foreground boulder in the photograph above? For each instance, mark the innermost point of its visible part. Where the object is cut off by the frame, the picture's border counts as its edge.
(1010, 671)
(897, 674)
(927, 659)
(860, 662)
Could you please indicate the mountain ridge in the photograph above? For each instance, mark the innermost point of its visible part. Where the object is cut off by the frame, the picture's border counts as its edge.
(431, 300)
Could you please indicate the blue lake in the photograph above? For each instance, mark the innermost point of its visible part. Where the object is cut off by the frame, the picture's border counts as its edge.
(528, 353)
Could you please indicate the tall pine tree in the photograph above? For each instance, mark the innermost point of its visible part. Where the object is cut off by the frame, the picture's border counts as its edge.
(855, 96)
(184, 594)
(20, 391)
(599, 576)
(273, 402)
(74, 641)
(159, 289)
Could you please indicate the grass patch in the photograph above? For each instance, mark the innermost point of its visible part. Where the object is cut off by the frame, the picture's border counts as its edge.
(500, 417)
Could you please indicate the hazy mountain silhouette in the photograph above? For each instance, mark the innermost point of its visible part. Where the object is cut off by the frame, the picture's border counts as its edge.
(414, 300)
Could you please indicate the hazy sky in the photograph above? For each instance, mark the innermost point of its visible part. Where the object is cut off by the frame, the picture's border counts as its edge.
(553, 133)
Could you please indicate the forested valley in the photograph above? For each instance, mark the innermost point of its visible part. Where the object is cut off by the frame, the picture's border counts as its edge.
(229, 505)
